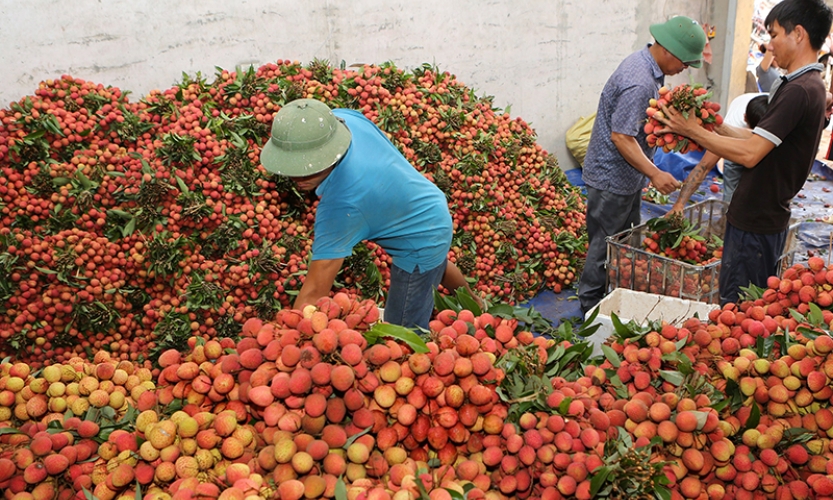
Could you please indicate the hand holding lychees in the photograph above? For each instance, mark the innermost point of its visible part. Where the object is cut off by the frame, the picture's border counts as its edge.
(673, 115)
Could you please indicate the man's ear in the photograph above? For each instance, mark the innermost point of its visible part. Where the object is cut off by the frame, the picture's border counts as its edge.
(800, 34)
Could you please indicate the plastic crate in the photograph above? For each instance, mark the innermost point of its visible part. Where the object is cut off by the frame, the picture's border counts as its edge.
(629, 266)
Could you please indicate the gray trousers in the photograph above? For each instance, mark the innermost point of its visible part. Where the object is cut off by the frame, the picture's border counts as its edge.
(607, 214)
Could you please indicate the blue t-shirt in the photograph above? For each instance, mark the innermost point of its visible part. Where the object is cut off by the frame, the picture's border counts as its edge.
(375, 194)
(622, 110)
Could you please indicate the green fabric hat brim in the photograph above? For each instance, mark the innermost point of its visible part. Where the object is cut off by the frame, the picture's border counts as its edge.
(302, 163)
(683, 37)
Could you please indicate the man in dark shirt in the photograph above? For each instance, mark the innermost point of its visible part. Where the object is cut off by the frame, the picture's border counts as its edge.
(778, 154)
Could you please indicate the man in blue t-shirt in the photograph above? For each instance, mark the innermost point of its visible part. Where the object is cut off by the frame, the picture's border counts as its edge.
(367, 191)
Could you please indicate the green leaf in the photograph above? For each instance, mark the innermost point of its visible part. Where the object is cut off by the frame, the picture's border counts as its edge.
(120, 213)
(620, 328)
(808, 332)
(565, 405)
(467, 302)
(356, 436)
(108, 412)
(815, 316)
(678, 241)
(503, 310)
(759, 347)
(625, 436)
(754, 416)
(599, 479)
(798, 434)
(456, 495)
(401, 333)
(752, 292)
(673, 377)
(611, 356)
(797, 316)
(555, 352)
(442, 302)
(701, 418)
(182, 186)
(590, 319)
(662, 492)
(129, 227)
(85, 181)
(341, 490)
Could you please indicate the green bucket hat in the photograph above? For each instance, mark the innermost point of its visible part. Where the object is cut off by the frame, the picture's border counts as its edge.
(306, 139)
(683, 37)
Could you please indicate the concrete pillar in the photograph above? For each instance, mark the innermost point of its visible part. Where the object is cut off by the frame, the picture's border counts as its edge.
(731, 48)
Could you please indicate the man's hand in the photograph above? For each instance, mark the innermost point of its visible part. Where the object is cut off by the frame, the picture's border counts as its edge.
(318, 282)
(828, 109)
(453, 279)
(676, 209)
(665, 182)
(676, 122)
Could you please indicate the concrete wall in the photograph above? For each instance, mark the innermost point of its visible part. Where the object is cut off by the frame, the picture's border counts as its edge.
(548, 59)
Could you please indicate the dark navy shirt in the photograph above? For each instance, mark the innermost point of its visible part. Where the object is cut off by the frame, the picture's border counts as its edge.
(622, 109)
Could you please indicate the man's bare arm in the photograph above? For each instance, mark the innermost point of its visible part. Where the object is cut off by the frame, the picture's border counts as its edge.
(743, 151)
(736, 132)
(318, 282)
(694, 179)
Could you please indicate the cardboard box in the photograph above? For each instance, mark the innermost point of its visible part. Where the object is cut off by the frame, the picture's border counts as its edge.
(643, 307)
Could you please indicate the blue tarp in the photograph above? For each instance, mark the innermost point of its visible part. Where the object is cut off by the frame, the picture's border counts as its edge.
(811, 206)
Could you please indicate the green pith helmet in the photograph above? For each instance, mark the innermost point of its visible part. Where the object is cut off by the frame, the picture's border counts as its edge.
(306, 139)
(683, 37)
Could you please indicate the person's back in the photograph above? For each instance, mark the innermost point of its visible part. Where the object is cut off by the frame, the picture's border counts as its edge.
(375, 194)
(736, 111)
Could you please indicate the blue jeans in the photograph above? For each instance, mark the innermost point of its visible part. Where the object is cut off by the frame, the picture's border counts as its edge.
(411, 296)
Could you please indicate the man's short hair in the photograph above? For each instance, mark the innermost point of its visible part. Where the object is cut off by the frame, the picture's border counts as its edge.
(813, 15)
(755, 109)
